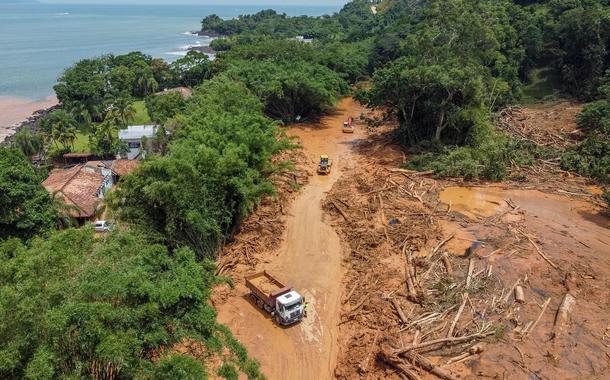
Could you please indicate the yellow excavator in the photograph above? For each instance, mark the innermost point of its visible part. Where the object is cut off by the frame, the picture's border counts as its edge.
(325, 165)
(347, 126)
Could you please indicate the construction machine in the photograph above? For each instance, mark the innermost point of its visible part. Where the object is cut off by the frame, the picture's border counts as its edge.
(285, 304)
(325, 165)
(348, 126)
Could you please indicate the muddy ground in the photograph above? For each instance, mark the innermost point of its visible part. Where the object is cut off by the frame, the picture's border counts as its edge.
(392, 261)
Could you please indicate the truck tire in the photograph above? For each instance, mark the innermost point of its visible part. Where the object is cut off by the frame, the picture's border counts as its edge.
(277, 319)
(260, 304)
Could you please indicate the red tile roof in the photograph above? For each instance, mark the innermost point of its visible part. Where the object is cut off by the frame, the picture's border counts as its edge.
(76, 187)
(124, 167)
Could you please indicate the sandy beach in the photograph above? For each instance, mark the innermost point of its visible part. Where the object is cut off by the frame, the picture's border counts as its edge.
(14, 110)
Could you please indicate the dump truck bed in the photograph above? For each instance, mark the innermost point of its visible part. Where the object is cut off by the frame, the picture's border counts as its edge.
(266, 287)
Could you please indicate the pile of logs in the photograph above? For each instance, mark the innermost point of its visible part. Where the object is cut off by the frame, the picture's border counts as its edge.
(437, 309)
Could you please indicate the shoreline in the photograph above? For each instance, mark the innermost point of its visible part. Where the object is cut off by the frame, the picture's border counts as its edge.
(17, 111)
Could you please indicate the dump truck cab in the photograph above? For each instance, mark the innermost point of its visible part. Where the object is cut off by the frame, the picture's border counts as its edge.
(289, 308)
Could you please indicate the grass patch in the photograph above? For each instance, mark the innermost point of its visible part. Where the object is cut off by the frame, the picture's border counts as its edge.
(544, 85)
(81, 144)
(141, 116)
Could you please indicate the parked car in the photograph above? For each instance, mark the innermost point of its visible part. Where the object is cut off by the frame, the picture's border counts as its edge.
(102, 226)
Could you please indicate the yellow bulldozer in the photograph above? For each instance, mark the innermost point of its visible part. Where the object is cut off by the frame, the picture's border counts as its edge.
(325, 165)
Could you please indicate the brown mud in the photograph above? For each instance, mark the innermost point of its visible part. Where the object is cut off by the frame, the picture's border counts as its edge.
(390, 260)
(446, 239)
(308, 256)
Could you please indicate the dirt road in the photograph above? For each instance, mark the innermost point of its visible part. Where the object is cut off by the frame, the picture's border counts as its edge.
(310, 259)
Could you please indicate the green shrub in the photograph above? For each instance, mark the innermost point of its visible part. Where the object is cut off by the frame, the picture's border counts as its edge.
(228, 371)
(590, 158)
(180, 367)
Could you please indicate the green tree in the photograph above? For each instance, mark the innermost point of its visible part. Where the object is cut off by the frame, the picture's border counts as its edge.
(578, 38)
(28, 142)
(25, 206)
(104, 139)
(120, 112)
(214, 175)
(165, 106)
(591, 157)
(180, 367)
(82, 114)
(63, 128)
(162, 72)
(290, 89)
(192, 69)
(74, 306)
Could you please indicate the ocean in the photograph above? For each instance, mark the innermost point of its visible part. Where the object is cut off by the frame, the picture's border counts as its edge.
(38, 41)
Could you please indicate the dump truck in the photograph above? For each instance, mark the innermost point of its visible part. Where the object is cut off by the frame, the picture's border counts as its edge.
(325, 165)
(348, 126)
(280, 300)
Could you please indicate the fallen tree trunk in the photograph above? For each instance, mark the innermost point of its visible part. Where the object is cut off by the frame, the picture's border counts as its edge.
(457, 315)
(399, 365)
(427, 365)
(445, 341)
(401, 314)
(563, 315)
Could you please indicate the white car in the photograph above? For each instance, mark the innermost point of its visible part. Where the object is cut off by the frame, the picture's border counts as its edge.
(102, 226)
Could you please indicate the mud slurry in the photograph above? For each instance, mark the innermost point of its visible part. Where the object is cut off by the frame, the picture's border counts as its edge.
(508, 224)
(574, 234)
(308, 258)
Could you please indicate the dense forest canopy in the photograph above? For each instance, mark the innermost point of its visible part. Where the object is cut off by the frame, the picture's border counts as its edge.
(73, 305)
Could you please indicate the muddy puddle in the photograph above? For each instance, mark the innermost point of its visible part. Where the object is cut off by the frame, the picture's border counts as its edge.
(556, 218)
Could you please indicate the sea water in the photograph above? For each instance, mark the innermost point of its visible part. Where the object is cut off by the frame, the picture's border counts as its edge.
(38, 41)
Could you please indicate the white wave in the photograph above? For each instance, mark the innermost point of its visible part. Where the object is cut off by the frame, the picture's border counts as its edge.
(62, 14)
(189, 34)
(181, 53)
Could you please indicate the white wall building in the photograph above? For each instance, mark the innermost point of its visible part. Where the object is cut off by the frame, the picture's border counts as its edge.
(133, 136)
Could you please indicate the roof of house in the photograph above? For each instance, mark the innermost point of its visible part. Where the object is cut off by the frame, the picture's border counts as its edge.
(136, 132)
(77, 155)
(77, 187)
(124, 167)
(184, 91)
(106, 164)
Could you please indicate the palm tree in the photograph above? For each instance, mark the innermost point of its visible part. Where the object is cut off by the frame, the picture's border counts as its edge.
(147, 84)
(108, 129)
(29, 143)
(65, 212)
(122, 111)
(63, 129)
(81, 114)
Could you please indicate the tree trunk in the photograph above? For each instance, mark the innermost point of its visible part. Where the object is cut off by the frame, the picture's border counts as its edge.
(440, 126)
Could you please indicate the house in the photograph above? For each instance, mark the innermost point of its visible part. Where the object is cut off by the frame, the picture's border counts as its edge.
(77, 158)
(85, 185)
(184, 91)
(121, 168)
(302, 39)
(82, 186)
(133, 136)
